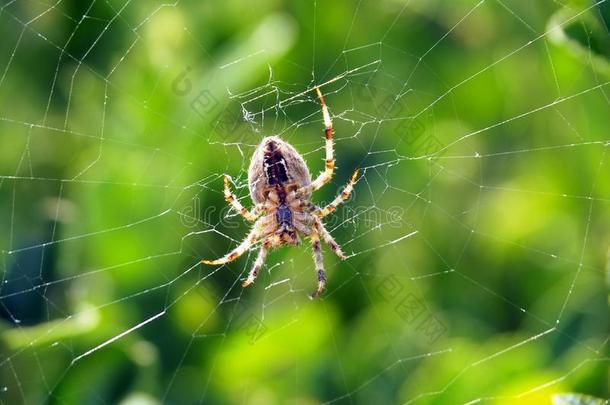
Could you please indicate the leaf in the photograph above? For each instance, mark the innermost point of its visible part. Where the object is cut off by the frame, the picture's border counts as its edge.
(583, 33)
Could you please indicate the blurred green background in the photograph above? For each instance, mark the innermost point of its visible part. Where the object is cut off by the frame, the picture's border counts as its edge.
(477, 233)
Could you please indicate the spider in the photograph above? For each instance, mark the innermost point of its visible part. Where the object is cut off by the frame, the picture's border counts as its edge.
(281, 187)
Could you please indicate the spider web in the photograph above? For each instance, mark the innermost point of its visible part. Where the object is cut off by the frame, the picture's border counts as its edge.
(119, 119)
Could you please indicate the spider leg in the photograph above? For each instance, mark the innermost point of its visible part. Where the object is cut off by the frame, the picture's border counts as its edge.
(317, 256)
(234, 202)
(244, 246)
(301, 227)
(258, 264)
(329, 165)
(330, 241)
(321, 213)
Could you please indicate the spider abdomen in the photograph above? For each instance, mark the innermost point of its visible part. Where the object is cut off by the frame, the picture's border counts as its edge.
(275, 163)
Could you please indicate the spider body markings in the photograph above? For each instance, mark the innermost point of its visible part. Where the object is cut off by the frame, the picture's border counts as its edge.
(281, 187)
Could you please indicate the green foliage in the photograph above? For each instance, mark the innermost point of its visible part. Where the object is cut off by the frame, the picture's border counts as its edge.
(478, 228)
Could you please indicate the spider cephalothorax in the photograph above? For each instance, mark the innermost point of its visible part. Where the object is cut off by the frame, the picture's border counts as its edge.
(281, 187)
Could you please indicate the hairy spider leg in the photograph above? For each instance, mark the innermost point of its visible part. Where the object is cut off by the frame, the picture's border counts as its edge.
(234, 202)
(327, 237)
(317, 257)
(243, 246)
(322, 212)
(258, 264)
(329, 166)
